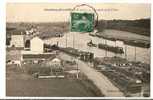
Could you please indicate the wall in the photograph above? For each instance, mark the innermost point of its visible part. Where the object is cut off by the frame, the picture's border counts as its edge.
(17, 40)
(37, 45)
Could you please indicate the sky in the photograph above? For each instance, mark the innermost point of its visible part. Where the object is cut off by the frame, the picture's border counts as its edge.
(49, 12)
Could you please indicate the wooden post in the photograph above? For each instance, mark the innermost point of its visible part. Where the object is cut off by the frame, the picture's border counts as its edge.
(77, 71)
(73, 39)
(135, 53)
(106, 49)
(115, 47)
(66, 40)
(125, 51)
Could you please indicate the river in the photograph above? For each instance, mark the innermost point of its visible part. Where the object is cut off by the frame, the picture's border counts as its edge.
(79, 41)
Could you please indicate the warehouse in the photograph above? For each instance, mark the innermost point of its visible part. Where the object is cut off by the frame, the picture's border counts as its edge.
(17, 38)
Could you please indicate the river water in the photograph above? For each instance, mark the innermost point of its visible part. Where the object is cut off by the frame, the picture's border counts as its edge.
(79, 41)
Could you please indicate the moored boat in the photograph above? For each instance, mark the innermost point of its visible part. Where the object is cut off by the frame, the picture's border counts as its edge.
(111, 48)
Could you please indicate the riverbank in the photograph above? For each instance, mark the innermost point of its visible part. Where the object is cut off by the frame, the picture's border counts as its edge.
(142, 54)
(127, 37)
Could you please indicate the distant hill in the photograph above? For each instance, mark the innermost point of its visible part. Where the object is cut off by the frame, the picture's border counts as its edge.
(141, 26)
(46, 29)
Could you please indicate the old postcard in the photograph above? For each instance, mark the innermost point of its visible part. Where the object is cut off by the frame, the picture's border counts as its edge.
(78, 50)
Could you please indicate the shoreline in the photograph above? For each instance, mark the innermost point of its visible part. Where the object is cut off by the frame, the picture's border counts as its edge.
(128, 41)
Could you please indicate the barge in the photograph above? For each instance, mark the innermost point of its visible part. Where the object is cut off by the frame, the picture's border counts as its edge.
(118, 50)
(138, 44)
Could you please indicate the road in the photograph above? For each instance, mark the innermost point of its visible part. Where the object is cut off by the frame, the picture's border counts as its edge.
(100, 80)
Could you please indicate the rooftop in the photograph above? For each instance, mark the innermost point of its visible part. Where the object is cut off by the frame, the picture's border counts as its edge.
(34, 55)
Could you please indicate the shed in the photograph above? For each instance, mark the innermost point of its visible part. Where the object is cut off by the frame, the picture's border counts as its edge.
(56, 62)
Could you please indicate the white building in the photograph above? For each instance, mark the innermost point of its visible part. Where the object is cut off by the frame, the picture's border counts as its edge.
(37, 45)
(17, 40)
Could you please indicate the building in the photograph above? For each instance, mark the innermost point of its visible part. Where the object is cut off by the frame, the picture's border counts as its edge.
(29, 56)
(55, 66)
(37, 45)
(17, 38)
(36, 52)
(56, 62)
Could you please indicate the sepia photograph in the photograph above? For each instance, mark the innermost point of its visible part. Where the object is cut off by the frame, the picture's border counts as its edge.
(78, 50)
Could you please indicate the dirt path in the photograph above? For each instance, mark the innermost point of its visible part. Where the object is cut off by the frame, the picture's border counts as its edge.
(101, 81)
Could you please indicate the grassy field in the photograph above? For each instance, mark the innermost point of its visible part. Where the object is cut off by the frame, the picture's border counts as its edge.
(20, 83)
(13, 54)
(46, 87)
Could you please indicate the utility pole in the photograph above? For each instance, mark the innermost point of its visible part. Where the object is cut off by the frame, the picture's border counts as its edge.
(77, 70)
(73, 39)
(125, 51)
(135, 53)
(106, 49)
(115, 47)
(66, 40)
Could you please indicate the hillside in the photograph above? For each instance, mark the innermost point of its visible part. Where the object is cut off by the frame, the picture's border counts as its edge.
(141, 26)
